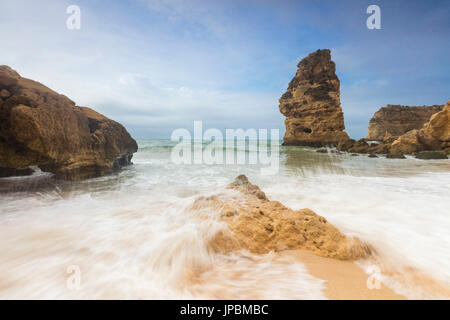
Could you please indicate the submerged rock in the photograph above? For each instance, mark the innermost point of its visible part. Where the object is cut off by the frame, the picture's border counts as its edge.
(40, 127)
(372, 155)
(345, 144)
(392, 121)
(395, 156)
(260, 226)
(15, 172)
(426, 155)
(322, 150)
(312, 104)
(362, 146)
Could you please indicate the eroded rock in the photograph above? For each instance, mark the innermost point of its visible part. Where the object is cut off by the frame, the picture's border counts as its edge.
(395, 156)
(392, 121)
(435, 135)
(428, 155)
(260, 226)
(43, 128)
(362, 146)
(312, 104)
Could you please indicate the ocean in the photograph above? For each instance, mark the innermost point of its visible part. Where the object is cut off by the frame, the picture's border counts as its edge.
(133, 234)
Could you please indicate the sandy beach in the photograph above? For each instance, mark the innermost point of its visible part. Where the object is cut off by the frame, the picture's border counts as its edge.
(344, 279)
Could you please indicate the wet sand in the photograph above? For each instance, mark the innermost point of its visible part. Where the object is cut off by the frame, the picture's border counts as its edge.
(345, 280)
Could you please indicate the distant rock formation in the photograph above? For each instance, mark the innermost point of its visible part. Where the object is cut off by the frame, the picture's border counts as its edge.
(40, 127)
(260, 226)
(434, 135)
(312, 105)
(392, 121)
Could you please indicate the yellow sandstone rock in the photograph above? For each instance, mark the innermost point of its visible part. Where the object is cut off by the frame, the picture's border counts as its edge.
(260, 226)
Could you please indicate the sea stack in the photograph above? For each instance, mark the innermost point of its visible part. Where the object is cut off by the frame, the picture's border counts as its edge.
(312, 104)
(392, 121)
(42, 128)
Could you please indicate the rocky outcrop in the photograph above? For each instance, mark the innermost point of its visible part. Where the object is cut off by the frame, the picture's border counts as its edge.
(362, 146)
(392, 121)
(395, 156)
(435, 135)
(260, 226)
(312, 105)
(40, 127)
(428, 155)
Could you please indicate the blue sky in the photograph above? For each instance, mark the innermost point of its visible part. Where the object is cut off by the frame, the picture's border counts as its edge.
(156, 66)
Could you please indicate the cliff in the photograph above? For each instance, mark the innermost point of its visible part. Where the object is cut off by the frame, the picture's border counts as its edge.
(40, 127)
(393, 121)
(312, 105)
(434, 135)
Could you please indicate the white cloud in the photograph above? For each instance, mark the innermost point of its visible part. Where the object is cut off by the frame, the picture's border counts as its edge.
(177, 61)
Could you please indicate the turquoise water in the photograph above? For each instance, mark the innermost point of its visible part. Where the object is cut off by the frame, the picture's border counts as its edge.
(132, 234)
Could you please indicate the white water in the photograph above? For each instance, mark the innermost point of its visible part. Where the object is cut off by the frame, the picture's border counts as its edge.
(132, 235)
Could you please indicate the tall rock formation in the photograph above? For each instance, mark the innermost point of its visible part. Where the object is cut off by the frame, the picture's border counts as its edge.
(312, 104)
(435, 135)
(392, 121)
(40, 127)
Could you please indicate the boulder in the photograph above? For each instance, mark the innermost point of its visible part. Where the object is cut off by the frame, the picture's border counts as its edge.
(260, 226)
(407, 143)
(395, 156)
(312, 104)
(382, 148)
(43, 128)
(427, 155)
(345, 144)
(360, 146)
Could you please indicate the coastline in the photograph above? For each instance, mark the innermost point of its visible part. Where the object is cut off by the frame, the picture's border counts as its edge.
(344, 279)
(164, 231)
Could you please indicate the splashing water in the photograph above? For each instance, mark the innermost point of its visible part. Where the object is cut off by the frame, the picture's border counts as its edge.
(132, 234)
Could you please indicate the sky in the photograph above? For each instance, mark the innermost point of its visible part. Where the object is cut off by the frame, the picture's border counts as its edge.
(156, 66)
